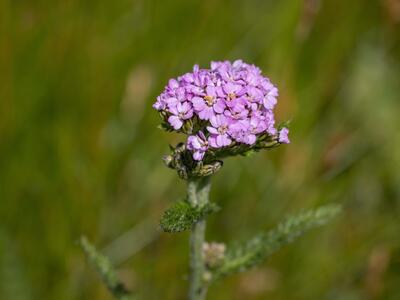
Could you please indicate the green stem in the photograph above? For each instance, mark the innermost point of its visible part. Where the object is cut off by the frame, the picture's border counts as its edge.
(198, 190)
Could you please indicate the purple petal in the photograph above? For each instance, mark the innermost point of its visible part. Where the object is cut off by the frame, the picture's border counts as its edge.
(180, 108)
(186, 107)
(198, 155)
(173, 84)
(188, 115)
(212, 141)
(219, 106)
(269, 102)
(251, 139)
(219, 91)
(188, 78)
(214, 121)
(175, 122)
(212, 130)
(180, 93)
(173, 109)
(229, 88)
(252, 78)
(198, 103)
(201, 135)
(272, 130)
(206, 113)
(222, 120)
(273, 92)
(237, 63)
(210, 91)
(198, 91)
(159, 104)
(223, 140)
(193, 143)
(256, 94)
(214, 65)
(171, 101)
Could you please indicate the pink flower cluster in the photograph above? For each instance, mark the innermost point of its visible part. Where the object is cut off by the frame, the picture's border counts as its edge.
(233, 100)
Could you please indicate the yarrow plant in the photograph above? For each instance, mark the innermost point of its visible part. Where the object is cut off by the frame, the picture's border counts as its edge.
(224, 111)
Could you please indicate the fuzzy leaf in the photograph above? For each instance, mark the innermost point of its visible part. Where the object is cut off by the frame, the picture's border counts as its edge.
(104, 267)
(242, 256)
(181, 216)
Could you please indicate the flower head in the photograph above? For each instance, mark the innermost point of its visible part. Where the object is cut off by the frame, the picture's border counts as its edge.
(228, 104)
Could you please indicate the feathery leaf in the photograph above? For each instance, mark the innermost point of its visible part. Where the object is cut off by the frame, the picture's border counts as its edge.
(242, 256)
(104, 267)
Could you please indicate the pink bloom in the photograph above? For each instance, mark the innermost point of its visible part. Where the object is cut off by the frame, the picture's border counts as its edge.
(180, 112)
(219, 132)
(198, 144)
(209, 105)
(283, 136)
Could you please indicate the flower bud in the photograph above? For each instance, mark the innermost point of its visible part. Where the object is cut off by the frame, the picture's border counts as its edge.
(213, 254)
(168, 161)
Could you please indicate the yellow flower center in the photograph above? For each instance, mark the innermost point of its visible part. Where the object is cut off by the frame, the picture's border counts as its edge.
(231, 96)
(209, 100)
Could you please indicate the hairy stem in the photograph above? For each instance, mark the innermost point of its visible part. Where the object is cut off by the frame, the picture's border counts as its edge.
(198, 191)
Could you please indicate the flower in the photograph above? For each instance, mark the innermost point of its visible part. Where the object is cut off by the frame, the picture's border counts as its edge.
(209, 105)
(180, 112)
(228, 104)
(219, 132)
(283, 136)
(198, 144)
(213, 253)
(239, 131)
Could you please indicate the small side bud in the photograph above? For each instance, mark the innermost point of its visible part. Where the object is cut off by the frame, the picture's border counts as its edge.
(209, 169)
(214, 254)
(168, 161)
(188, 127)
(269, 144)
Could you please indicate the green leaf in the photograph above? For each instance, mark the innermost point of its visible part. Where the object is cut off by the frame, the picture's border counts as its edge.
(242, 256)
(182, 216)
(104, 267)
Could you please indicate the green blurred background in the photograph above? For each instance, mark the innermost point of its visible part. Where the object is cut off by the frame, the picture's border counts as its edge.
(80, 152)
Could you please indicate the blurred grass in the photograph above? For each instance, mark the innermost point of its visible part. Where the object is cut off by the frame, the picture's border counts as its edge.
(80, 152)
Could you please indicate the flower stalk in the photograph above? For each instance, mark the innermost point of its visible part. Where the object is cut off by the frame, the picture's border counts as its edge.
(198, 195)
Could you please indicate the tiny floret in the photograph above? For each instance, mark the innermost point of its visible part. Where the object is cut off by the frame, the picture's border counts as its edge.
(227, 105)
(283, 136)
(198, 144)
